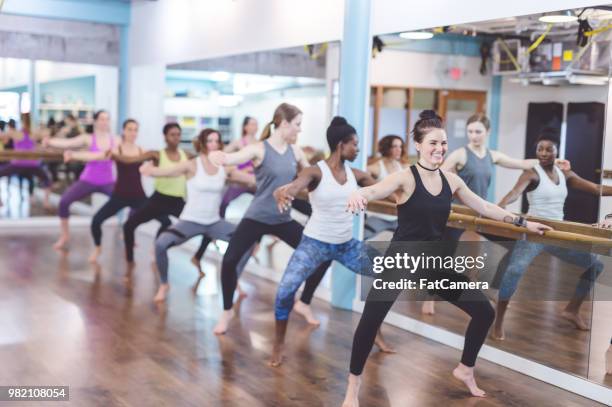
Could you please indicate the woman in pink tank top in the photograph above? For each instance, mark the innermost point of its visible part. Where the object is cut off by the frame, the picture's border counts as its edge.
(24, 141)
(97, 175)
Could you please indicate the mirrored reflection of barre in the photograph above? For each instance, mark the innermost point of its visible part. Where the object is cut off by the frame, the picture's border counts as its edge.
(45, 155)
(571, 232)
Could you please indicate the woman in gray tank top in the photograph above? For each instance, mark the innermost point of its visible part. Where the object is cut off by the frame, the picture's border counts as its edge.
(277, 161)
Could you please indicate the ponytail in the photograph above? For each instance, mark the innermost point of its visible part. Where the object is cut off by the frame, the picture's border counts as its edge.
(266, 132)
(284, 111)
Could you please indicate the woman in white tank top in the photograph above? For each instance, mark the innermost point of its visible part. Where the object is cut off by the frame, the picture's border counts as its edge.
(546, 186)
(200, 216)
(328, 234)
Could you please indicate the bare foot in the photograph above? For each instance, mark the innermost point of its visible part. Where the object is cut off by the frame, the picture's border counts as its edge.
(609, 360)
(575, 319)
(305, 311)
(277, 356)
(382, 345)
(198, 265)
(241, 293)
(352, 392)
(466, 375)
(224, 321)
(62, 243)
(93, 258)
(161, 293)
(498, 333)
(428, 307)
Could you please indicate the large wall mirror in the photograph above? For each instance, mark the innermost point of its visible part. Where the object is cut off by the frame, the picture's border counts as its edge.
(509, 90)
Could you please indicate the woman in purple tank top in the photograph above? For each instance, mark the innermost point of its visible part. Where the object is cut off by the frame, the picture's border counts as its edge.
(128, 191)
(25, 141)
(97, 175)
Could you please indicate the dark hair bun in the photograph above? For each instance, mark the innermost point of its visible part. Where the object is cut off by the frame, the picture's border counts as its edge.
(429, 114)
(338, 121)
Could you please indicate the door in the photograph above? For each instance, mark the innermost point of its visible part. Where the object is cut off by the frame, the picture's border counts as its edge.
(455, 107)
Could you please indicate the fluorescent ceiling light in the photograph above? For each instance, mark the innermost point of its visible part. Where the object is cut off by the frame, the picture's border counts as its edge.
(416, 35)
(558, 17)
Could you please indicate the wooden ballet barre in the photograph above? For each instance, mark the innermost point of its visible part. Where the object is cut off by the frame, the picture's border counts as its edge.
(571, 233)
(44, 155)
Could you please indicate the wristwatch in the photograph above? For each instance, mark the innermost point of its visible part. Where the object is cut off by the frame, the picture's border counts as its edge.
(519, 221)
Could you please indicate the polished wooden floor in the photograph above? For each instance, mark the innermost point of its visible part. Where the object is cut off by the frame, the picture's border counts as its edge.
(65, 322)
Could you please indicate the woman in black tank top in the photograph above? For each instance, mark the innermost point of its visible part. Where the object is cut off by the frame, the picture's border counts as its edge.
(425, 197)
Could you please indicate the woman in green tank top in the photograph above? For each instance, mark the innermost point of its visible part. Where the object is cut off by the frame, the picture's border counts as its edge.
(169, 196)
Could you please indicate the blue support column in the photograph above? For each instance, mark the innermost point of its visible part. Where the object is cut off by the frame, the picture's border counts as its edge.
(33, 90)
(355, 54)
(494, 111)
(124, 75)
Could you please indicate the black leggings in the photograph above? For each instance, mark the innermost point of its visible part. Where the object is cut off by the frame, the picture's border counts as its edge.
(111, 208)
(472, 302)
(247, 233)
(301, 206)
(158, 206)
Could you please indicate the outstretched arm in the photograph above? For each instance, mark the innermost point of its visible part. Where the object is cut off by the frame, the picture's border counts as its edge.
(358, 201)
(242, 177)
(183, 168)
(577, 182)
(526, 178)
(506, 161)
(85, 156)
(65, 143)
(131, 159)
(489, 209)
(307, 178)
(249, 152)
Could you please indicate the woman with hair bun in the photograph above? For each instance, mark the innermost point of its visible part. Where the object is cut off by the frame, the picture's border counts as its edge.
(424, 194)
(328, 234)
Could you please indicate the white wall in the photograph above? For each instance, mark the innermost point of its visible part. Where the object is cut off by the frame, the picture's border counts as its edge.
(417, 69)
(513, 121)
(311, 101)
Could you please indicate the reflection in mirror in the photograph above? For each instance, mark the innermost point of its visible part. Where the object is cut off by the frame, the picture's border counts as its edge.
(600, 361)
(524, 109)
(65, 98)
(238, 96)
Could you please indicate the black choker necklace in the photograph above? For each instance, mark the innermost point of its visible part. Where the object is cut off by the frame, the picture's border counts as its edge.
(425, 168)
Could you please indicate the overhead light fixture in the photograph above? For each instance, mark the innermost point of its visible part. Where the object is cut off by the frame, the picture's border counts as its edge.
(416, 35)
(558, 17)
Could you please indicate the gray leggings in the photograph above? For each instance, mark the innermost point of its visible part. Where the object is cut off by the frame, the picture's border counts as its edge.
(185, 230)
